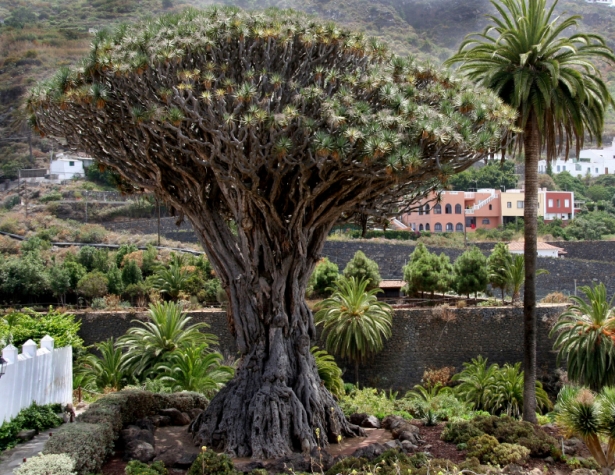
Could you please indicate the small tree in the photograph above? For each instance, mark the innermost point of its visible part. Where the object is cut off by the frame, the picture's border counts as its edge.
(115, 282)
(354, 322)
(59, 281)
(93, 285)
(470, 272)
(497, 263)
(427, 272)
(361, 267)
(131, 273)
(323, 278)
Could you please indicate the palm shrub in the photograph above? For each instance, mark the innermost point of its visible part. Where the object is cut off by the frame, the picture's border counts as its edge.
(590, 417)
(362, 267)
(171, 281)
(585, 338)
(354, 322)
(194, 368)
(109, 370)
(168, 329)
(328, 371)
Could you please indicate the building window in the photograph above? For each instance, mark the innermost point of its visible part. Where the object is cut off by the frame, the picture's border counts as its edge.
(550, 203)
(577, 167)
(427, 227)
(459, 227)
(437, 227)
(596, 170)
(490, 207)
(437, 209)
(558, 203)
(564, 167)
(589, 169)
(420, 227)
(566, 203)
(509, 204)
(457, 209)
(558, 168)
(520, 204)
(486, 221)
(71, 164)
(449, 227)
(427, 210)
(421, 210)
(448, 209)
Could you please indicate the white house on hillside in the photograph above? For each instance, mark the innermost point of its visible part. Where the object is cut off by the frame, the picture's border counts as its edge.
(594, 162)
(66, 168)
(543, 249)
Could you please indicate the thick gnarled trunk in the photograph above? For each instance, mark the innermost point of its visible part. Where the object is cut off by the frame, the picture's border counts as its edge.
(531, 145)
(276, 403)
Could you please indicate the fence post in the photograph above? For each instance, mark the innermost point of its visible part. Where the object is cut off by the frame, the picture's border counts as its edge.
(9, 353)
(29, 349)
(47, 342)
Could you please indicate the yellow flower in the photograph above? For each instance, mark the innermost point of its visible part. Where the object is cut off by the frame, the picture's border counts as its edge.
(204, 448)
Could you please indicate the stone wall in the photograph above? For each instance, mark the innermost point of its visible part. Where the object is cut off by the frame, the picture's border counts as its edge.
(422, 339)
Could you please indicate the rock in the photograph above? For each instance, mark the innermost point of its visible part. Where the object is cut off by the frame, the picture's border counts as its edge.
(146, 424)
(194, 413)
(536, 471)
(513, 469)
(169, 456)
(370, 452)
(248, 466)
(185, 460)
(573, 446)
(140, 450)
(392, 422)
(409, 436)
(132, 433)
(583, 471)
(161, 421)
(393, 444)
(371, 422)
(408, 446)
(549, 460)
(358, 418)
(295, 462)
(26, 434)
(406, 427)
(178, 418)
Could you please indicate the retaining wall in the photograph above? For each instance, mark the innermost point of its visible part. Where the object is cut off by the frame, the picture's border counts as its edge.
(422, 339)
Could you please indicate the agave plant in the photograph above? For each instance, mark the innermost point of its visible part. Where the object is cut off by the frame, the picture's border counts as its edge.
(354, 322)
(168, 329)
(193, 368)
(329, 372)
(476, 382)
(585, 338)
(109, 370)
(588, 416)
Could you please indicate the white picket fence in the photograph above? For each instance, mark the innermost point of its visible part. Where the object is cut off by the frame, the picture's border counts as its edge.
(43, 375)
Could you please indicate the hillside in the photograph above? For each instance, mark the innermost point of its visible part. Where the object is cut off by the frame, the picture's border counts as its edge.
(37, 37)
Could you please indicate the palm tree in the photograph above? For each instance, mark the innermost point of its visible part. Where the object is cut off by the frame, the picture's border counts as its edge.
(354, 322)
(171, 281)
(193, 368)
(109, 370)
(584, 338)
(528, 58)
(476, 382)
(329, 372)
(167, 330)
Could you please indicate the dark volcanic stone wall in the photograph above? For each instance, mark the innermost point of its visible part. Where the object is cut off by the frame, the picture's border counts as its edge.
(422, 339)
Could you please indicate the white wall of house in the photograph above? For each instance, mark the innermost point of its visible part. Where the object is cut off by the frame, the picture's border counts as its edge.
(66, 168)
(43, 375)
(595, 161)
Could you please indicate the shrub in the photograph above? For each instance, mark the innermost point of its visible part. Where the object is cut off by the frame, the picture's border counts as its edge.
(323, 277)
(347, 466)
(210, 463)
(504, 454)
(482, 446)
(51, 196)
(459, 432)
(131, 273)
(33, 417)
(114, 279)
(93, 285)
(91, 233)
(124, 250)
(75, 271)
(361, 267)
(369, 401)
(98, 303)
(555, 297)
(209, 292)
(52, 464)
(10, 202)
(135, 467)
(22, 278)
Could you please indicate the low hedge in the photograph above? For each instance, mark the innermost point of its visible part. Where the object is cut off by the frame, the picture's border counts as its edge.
(91, 439)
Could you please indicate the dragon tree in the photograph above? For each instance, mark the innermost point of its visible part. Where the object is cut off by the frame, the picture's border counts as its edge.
(263, 130)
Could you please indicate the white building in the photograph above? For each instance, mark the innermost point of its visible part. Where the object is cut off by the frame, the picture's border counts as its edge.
(66, 168)
(543, 249)
(596, 162)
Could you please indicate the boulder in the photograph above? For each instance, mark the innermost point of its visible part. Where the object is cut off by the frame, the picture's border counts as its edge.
(573, 446)
(513, 469)
(370, 452)
(357, 418)
(178, 418)
(26, 434)
(392, 422)
(146, 424)
(185, 460)
(393, 444)
(582, 471)
(194, 413)
(161, 421)
(132, 433)
(408, 446)
(140, 450)
(169, 455)
(409, 436)
(371, 422)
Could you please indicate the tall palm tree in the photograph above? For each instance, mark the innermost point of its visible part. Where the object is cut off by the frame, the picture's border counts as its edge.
(584, 338)
(354, 322)
(528, 57)
(167, 330)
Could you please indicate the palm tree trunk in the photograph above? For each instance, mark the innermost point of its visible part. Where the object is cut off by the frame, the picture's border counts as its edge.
(531, 146)
(356, 372)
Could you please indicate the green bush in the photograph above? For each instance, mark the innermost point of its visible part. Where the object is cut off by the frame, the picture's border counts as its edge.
(209, 292)
(368, 400)
(459, 432)
(91, 233)
(131, 273)
(135, 467)
(33, 417)
(123, 251)
(52, 464)
(51, 196)
(482, 447)
(323, 277)
(11, 202)
(361, 267)
(211, 463)
(504, 454)
(23, 278)
(93, 285)
(114, 279)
